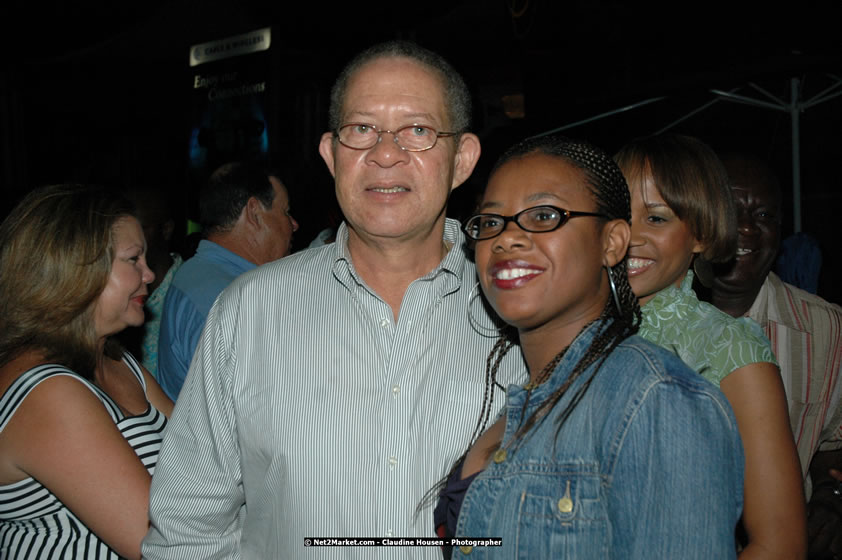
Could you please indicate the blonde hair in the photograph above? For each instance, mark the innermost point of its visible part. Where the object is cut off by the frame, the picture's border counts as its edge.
(56, 249)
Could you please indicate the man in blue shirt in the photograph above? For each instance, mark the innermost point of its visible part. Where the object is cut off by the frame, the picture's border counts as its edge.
(245, 212)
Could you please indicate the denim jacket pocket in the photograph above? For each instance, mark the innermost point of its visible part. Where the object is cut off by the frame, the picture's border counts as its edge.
(548, 510)
(560, 515)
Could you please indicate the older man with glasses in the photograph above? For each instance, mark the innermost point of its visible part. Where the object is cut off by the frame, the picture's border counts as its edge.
(333, 389)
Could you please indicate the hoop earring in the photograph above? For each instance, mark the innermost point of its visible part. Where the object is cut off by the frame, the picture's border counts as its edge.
(703, 270)
(613, 287)
(490, 332)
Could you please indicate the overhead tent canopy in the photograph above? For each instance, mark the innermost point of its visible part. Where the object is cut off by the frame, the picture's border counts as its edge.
(794, 106)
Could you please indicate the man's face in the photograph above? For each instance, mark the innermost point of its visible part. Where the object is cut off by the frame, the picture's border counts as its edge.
(757, 203)
(386, 192)
(278, 225)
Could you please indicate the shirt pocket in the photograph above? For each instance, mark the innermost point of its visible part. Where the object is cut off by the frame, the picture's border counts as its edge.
(561, 514)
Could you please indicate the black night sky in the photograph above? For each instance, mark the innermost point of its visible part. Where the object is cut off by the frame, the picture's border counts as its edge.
(99, 91)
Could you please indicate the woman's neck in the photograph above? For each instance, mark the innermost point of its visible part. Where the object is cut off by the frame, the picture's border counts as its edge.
(541, 346)
(99, 366)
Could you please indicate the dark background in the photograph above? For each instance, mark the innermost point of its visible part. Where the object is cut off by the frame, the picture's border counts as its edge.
(99, 91)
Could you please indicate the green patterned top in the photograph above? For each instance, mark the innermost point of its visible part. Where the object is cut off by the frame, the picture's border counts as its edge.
(708, 340)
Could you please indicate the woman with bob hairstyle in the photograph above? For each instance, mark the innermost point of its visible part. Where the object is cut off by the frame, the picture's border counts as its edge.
(614, 448)
(683, 216)
(80, 419)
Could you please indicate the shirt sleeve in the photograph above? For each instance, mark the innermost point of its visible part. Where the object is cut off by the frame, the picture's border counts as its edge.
(181, 330)
(197, 500)
(678, 477)
(832, 432)
(833, 438)
(751, 343)
(730, 345)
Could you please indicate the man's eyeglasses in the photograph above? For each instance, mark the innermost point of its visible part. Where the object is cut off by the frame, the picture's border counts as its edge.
(412, 138)
(538, 219)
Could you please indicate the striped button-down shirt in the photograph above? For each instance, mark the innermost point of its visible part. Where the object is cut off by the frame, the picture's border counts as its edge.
(806, 336)
(309, 411)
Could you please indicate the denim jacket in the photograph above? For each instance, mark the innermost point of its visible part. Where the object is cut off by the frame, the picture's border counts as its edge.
(648, 465)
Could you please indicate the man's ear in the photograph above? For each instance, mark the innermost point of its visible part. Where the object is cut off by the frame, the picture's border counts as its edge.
(465, 159)
(615, 241)
(326, 151)
(253, 213)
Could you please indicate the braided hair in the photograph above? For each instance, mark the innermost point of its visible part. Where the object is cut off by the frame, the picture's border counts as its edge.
(606, 183)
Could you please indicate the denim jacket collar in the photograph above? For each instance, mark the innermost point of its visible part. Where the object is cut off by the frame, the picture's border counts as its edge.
(578, 348)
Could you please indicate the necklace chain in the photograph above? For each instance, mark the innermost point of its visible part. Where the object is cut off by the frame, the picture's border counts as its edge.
(547, 371)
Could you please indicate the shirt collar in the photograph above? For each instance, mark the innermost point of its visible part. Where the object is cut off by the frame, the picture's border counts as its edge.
(767, 306)
(453, 263)
(574, 353)
(217, 253)
(671, 294)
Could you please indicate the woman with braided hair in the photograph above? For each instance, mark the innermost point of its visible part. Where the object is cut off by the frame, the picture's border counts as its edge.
(683, 215)
(589, 459)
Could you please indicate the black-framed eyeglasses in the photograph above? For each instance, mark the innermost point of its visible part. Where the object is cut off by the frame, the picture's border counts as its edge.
(538, 219)
(412, 137)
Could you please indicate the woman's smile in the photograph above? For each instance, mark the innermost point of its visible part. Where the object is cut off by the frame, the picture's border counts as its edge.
(545, 278)
(510, 274)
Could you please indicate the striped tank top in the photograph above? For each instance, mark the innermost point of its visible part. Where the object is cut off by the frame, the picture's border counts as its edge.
(34, 524)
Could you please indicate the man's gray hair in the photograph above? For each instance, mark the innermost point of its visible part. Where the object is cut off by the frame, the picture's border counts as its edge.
(456, 94)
